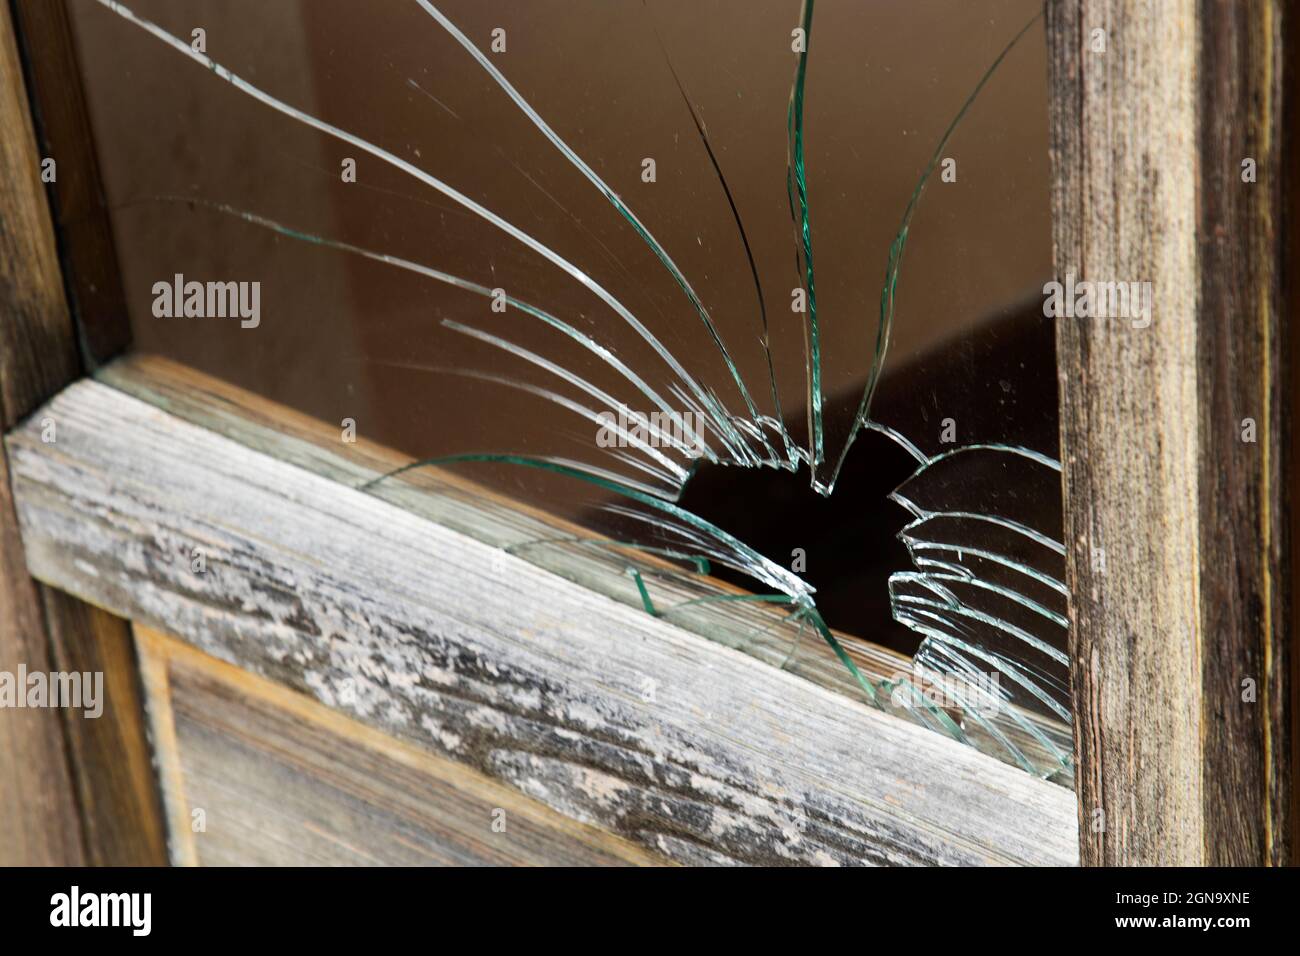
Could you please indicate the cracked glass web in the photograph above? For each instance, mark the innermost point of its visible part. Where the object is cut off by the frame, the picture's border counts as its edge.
(748, 292)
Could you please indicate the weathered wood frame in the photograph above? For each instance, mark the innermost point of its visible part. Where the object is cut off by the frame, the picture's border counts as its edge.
(74, 790)
(1147, 142)
(853, 785)
(693, 749)
(682, 773)
(1177, 529)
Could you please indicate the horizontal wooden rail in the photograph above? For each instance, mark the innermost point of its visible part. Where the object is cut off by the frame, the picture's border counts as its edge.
(447, 499)
(606, 714)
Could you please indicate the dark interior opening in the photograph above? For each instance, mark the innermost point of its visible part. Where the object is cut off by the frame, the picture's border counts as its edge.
(998, 383)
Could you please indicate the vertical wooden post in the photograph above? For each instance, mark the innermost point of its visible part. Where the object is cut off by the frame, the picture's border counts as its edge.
(1166, 125)
(40, 823)
(72, 790)
(89, 257)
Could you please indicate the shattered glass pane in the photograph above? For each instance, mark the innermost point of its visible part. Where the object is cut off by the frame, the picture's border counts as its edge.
(747, 291)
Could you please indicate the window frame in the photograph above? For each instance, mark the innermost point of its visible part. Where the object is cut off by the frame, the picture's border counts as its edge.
(1150, 767)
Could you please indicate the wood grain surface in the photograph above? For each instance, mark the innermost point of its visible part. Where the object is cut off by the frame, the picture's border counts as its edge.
(603, 713)
(84, 792)
(448, 499)
(260, 776)
(1175, 525)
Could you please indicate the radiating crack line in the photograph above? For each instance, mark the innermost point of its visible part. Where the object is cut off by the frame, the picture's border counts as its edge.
(614, 199)
(422, 176)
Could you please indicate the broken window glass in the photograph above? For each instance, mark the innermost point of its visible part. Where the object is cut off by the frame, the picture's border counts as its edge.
(749, 293)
